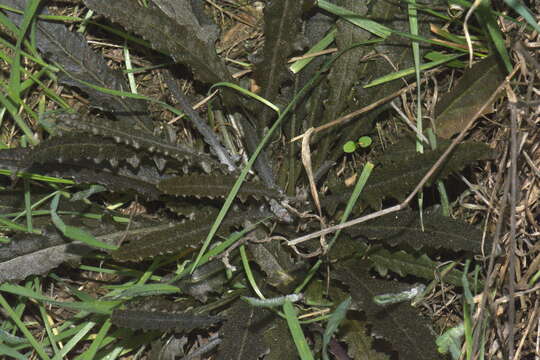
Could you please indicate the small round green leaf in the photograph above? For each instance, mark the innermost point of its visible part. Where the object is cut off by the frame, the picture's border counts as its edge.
(349, 147)
(364, 141)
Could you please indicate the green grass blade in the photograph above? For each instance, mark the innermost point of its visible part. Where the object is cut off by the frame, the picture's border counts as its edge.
(488, 19)
(15, 71)
(524, 12)
(76, 233)
(247, 93)
(366, 24)
(100, 307)
(333, 323)
(143, 290)
(321, 45)
(15, 115)
(249, 273)
(35, 344)
(74, 340)
(409, 71)
(296, 331)
(96, 344)
(12, 353)
(45, 317)
(468, 312)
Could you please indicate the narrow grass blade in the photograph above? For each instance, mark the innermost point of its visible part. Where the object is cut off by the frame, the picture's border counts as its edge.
(523, 11)
(486, 15)
(74, 340)
(12, 353)
(333, 323)
(145, 290)
(249, 273)
(100, 307)
(366, 24)
(11, 339)
(75, 233)
(15, 73)
(36, 345)
(11, 108)
(247, 93)
(296, 331)
(297, 66)
(468, 312)
(409, 71)
(98, 340)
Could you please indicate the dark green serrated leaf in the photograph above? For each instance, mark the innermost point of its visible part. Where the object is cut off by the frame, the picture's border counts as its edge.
(112, 181)
(165, 321)
(400, 170)
(73, 54)
(207, 278)
(406, 264)
(186, 12)
(278, 340)
(134, 138)
(176, 237)
(281, 28)
(359, 343)
(31, 254)
(402, 325)
(42, 261)
(167, 36)
(190, 209)
(344, 73)
(243, 333)
(13, 159)
(437, 231)
(476, 86)
(77, 147)
(274, 260)
(212, 186)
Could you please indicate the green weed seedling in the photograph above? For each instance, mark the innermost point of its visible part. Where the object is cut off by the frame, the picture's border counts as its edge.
(351, 146)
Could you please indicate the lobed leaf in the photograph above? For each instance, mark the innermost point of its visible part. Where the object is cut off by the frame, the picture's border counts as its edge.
(282, 25)
(401, 168)
(212, 186)
(359, 342)
(174, 238)
(406, 264)
(135, 138)
(344, 72)
(434, 231)
(401, 324)
(243, 334)
(72, 54)
(165, 321)
(74, 148)
(167, 36)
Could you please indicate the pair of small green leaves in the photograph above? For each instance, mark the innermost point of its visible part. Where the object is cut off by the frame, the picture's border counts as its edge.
(351, 146)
